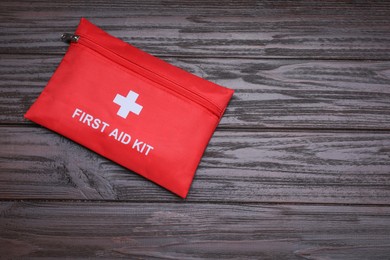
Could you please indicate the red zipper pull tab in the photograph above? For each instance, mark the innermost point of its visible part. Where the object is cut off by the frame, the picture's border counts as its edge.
(69, 38)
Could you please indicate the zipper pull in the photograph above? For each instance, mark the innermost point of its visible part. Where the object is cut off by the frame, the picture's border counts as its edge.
(69, 38)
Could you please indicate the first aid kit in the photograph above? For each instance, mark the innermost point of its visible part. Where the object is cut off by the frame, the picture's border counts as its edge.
(131, 107)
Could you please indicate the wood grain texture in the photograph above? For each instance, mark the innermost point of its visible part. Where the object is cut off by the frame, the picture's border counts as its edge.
(192, 231)
(269, 93)
(298, 169)
(286, 29)
(293, 167)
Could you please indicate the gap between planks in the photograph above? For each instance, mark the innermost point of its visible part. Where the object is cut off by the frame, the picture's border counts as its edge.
(221, 57)
(206, 202)
(248, 129)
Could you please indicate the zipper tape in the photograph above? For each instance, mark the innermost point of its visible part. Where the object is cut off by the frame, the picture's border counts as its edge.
(144, 72)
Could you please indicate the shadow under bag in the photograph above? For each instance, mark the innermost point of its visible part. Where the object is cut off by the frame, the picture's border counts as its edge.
(131, 107)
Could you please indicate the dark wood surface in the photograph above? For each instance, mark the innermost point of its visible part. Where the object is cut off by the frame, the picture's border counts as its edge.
(299, 167)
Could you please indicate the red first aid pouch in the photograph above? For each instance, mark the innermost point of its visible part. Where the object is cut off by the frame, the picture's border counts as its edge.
(131, 107)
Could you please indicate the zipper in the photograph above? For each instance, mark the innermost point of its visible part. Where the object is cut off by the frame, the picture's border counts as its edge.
(138, 69)
(68, 38)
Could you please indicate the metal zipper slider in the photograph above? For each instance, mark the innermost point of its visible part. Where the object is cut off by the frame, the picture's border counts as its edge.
(69, 38)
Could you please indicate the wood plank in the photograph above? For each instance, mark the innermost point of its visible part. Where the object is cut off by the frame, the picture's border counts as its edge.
(193, 231)
(269, 93)
(294, 167)
(288, 29)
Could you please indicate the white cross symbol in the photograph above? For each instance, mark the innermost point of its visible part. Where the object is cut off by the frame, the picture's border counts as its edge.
(127, 104)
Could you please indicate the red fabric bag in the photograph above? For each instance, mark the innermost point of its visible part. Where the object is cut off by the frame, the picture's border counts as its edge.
(131, 107)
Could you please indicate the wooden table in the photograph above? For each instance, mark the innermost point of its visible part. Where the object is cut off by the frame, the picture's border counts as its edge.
(299, 167)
